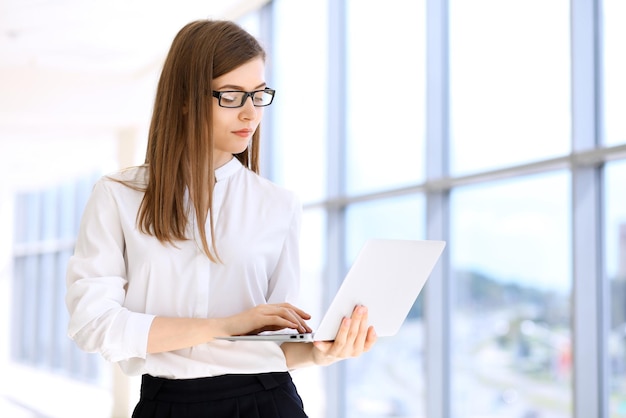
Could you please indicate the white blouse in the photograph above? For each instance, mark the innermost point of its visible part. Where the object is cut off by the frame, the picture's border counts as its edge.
(119, 279)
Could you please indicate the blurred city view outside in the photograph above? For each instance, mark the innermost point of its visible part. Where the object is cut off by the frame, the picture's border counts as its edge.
(517, 358)
(615, 245)
(517, 361)
(511, 311)
(511, 339)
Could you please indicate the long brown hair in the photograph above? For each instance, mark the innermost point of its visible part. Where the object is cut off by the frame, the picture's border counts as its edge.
(179, 155)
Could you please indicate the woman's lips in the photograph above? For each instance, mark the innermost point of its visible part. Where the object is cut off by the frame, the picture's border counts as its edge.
(244, 133)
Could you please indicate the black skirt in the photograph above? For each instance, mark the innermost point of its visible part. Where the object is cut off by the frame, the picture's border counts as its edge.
(267, 395)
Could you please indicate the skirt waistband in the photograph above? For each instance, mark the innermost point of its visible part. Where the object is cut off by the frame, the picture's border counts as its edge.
(209, 388)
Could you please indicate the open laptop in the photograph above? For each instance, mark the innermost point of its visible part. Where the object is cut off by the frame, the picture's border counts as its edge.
(386, 277)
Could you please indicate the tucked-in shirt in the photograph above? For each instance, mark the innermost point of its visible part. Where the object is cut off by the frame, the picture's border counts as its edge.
(119, 278)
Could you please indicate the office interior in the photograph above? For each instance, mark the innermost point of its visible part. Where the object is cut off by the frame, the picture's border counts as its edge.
(495, 125)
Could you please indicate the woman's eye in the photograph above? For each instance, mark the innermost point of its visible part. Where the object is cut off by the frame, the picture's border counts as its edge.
(228, 98)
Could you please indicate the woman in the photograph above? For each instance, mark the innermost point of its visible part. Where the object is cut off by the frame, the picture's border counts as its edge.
(194, 244)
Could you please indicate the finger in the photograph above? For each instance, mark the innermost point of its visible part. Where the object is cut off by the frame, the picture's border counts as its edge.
(302, 325)
(371, 338)
(359, 342)
(359, 316)
(260, 318)
(296, 321)
(278, 316)
(297, 310)
(302, 320)
(276, 322)
(338, 346)
(342, 333)
(294, 314)
(357, 332)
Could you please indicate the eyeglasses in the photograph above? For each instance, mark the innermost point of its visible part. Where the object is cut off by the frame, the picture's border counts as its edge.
(235, 98)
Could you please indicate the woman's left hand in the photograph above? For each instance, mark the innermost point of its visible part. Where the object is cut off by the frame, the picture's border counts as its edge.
(354, 338)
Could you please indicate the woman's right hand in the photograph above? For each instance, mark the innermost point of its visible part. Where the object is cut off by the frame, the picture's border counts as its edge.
(268, 317)
(169, 334)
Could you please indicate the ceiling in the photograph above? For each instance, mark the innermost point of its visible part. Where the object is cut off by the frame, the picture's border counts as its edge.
(58, 57)
(79, 75)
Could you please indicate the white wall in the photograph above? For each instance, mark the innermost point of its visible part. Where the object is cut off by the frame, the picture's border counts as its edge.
(31, 162)
(77, 83)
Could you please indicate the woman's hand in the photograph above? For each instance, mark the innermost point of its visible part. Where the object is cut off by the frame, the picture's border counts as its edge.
(354, 338)
(268, 317)
(168, 334)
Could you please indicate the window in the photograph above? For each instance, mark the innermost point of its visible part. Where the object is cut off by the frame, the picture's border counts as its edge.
(494, 177)
(511, 280)
(298, 68)
(310, 381)
(615, 244)
(614, 70)
(386, 94)
(388, 381)
(45, 227)
(509, 82)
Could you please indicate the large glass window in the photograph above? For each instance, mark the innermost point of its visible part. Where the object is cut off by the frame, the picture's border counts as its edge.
(511, 281)
(386, 81)
(509, 82)
(508, 93)
(298, 67)
(310, 381)
(614, 71)
(389, 380)
(45, 226)
(615, 245)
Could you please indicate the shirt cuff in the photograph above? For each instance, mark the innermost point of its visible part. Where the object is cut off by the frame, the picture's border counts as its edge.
(128, 336)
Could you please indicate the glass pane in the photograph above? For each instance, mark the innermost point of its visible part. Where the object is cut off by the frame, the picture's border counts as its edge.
(44, 308)
(49, 214)
(386, 87)
(298, 66)
(61, 343)
(511, 281)
(18, 311)
(27, 284)
(310, 380)
(614, 71)
(509, 82)
(32, 225)
(388, 380)
(615, 245)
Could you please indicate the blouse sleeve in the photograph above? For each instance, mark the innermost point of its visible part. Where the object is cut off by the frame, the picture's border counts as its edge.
(284, 284)
(96, 284)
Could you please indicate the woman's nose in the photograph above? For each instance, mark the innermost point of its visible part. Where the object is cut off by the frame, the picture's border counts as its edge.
(248, 110)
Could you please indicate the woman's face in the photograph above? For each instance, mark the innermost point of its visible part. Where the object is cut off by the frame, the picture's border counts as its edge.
(233, 127)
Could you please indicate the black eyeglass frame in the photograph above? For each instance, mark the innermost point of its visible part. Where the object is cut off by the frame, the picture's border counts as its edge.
(218, 96)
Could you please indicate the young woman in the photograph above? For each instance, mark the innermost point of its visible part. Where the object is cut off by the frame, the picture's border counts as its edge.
(194, 244)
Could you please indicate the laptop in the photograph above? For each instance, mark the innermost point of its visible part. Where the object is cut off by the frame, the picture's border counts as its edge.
(387, 276)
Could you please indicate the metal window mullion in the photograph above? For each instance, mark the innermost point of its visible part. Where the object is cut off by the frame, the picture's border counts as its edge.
(266, 24)
(588, 296)
(335, 375)
(588, 292)
(437, 292)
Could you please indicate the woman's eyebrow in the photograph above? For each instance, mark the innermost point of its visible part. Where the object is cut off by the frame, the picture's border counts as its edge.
(239, 88)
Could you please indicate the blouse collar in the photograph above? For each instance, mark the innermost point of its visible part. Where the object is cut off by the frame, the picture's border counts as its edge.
(228, 169)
